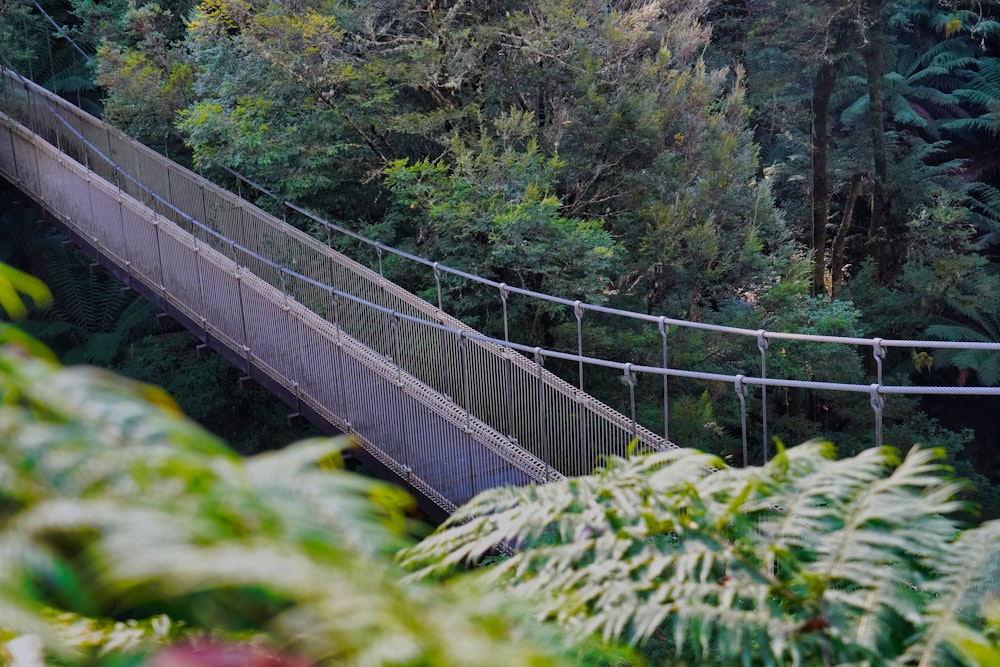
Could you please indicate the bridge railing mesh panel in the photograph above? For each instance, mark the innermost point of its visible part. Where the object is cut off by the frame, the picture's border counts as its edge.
(443, 452)
(515, 395)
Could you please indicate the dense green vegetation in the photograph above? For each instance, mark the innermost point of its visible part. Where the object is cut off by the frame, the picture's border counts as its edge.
(817, 167)
(131, 536)
(824, 167)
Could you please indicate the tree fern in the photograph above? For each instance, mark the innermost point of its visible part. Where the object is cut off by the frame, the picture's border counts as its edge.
(978, 324)
(807, 560)
(92, 318)
(969, 572)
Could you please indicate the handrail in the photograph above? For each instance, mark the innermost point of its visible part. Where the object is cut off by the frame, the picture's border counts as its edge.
(533, 424)
(608, 310)
(740, 381)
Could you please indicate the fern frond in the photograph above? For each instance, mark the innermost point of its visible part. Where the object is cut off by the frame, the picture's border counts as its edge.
(113, 504)
(855, 111)
(970, 570)
(100, 349)
(944, 51)
(986, 363)
(905, 113)
(136, 320)
(729, 559)
(957, 332)
(978, 97)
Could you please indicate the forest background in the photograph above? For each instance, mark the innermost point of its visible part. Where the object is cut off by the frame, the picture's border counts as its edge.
(823, 167)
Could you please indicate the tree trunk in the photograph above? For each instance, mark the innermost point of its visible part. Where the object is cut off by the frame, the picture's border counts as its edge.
(837, 254)
(826, 77)
(887, 245)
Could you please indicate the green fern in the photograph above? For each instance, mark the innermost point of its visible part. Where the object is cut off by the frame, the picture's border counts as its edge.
(113, 505)
(92, 319)
(984, 327)
(970, 570)
(807, 560)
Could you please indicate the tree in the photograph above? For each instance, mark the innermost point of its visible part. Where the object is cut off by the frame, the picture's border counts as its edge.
(646, 136)
(32, 47)
(140, 64)
(805, 560)
(491, 210)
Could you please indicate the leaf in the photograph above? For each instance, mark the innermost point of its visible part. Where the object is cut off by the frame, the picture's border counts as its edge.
(13, 282)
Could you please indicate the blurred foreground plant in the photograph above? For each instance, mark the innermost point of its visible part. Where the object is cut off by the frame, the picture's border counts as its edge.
(123, 525)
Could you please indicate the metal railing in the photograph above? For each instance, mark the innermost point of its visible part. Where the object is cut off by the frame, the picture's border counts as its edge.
(210, 255)
(660, 327)
(557, 423)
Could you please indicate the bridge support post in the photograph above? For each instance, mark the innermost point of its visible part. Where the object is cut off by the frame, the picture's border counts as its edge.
(741, 393)
(630, 381)
(877, 398)
(762, 346)
(581, 413)
(664, 330)
(542, 421)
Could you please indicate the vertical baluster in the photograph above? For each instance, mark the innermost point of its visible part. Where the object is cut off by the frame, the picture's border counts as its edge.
(664, 330)
(741, 393)
(437, 282)
(467, 391)
(877, 398)
(542, 424)
(243, 315)
(580, 409)
(630, 381)
(201, 287)
(877, 401)
(340, 361)
(400, 386)
(762, 346)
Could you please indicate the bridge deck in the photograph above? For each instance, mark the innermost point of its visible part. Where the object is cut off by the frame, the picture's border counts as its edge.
(447, 414)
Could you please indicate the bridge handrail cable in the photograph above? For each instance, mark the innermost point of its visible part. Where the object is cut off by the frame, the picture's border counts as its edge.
(608, 310)
(741, 381)
(457, 331)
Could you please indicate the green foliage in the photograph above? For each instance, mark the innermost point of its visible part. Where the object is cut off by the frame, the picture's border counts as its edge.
(983, 327)
(141, 67)
(115, 507)
(34, 48)
(609, 116)
(693, 422)
(806, 560)
(92, 318)
(943, 272)
(208, 391)
(494, 213)
(13, 283)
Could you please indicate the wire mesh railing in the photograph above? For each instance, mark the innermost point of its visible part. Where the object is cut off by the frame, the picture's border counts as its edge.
(561, 421)
(482, 381)
(755, 377)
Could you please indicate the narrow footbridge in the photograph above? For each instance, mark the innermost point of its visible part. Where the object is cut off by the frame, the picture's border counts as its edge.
(444, 409)
(447, 411)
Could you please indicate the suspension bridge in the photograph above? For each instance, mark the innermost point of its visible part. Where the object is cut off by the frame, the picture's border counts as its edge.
(440, 407)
